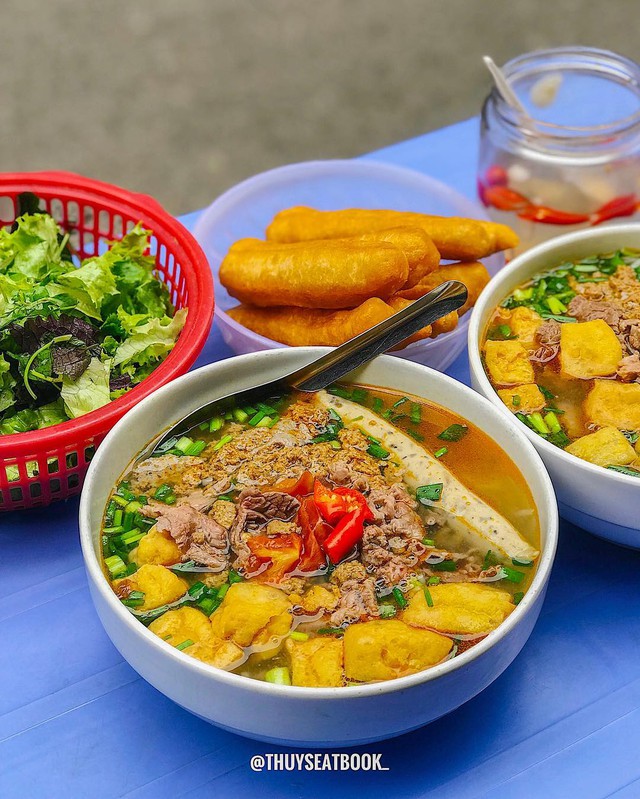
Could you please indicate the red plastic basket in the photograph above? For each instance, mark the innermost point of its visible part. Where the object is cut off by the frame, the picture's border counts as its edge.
(43, 466)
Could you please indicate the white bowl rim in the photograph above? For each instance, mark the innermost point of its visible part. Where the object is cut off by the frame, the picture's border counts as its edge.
(92, 564)
(353, 165)
(475, 360)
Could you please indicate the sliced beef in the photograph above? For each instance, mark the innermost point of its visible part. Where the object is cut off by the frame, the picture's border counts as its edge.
(153, 472)
(630, 335)
(585, 310)
(548, 334)
(254, 512)
(394, 512)
(343, 474)
(199, 537)
(629, 368)
(357, 602)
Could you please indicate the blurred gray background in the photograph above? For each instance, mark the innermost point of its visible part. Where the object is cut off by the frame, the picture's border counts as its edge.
(184, 98)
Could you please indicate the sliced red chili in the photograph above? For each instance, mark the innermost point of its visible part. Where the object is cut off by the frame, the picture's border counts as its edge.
(551, 216)
(496, 175)
(505, 199)
(346, 534)
(619, 206)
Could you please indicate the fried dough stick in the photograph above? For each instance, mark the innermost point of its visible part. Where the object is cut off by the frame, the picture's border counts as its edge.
(421, 253)
(301, 327)
(322, 274)
(457, 238)
(474, 276)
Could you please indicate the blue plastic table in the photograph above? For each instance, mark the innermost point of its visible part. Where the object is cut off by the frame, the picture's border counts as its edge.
(76, 721)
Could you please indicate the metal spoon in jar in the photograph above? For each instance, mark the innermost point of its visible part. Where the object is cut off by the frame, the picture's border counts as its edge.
(337, 363)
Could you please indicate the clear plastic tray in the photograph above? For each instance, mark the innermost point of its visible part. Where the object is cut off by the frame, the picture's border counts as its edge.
(247, 209)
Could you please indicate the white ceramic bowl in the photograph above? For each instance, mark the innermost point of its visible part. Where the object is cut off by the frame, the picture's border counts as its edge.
(602, 501)
(294, 715)
(246, 210)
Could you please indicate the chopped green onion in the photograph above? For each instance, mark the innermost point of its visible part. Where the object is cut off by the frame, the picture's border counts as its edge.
(259, 416)
(359, 395)
(195, 591)
(513, 575)
(433, 581)
(518, 597)
(378, 405)
(183, 444)
(134, 600)
(387, 611)
(164, 493)
(335, 445)
(223, 590)
(240, 416)
(400, 402)
(516, 401)
(217, 423)
(416, 435)
(268, 409)
(429, 493)
(428, 597)
(331, 631)
(296, 636)
(454, 432)
(551, 420)
(440, 452)
(185, 644)
(208, 605)
(555, 306)
(113, 530)
(195, 448)
(376, 451)
(266, 421)
(120, 500)
(445, 566)
(521, 562)
(115, 565)
(224, 440)
(429, 542)
(548, 395)
(338, 391)
(631, 436)
(538, 423)
(416, 414)
(234, 577)
(400, 598)
(278, 676)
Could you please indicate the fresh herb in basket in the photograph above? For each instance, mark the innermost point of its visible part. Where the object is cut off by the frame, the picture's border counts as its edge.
(73, 337)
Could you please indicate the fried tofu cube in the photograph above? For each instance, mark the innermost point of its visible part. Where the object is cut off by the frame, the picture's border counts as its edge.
(252, 614)
(388, 648)
(605, 447)
(613, 404)
(224, 512)
(157, 583)
(158, 548)
(320, 597)
(188, 624)
(589, 349)
(523, 399)
(464, 608)
(317, 662)
(523, 323)
(508, 363)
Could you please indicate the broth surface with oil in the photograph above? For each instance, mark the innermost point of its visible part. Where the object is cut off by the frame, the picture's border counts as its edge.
(346, 537)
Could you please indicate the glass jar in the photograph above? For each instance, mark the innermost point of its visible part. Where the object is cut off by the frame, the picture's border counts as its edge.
(575, 160)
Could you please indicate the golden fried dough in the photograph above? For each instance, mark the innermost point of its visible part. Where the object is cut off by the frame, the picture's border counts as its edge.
(316, 274)
(456, 238)
(421, 253)
(443, 325)
(474, 276)
(301, 327)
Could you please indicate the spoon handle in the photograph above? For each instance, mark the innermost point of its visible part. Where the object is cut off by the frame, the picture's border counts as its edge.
(386, 334)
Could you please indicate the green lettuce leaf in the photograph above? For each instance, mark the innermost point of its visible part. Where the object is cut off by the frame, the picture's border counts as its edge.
(7, 383)
(89, 391)
(150, 340)
(33, 249)
(95, 279)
